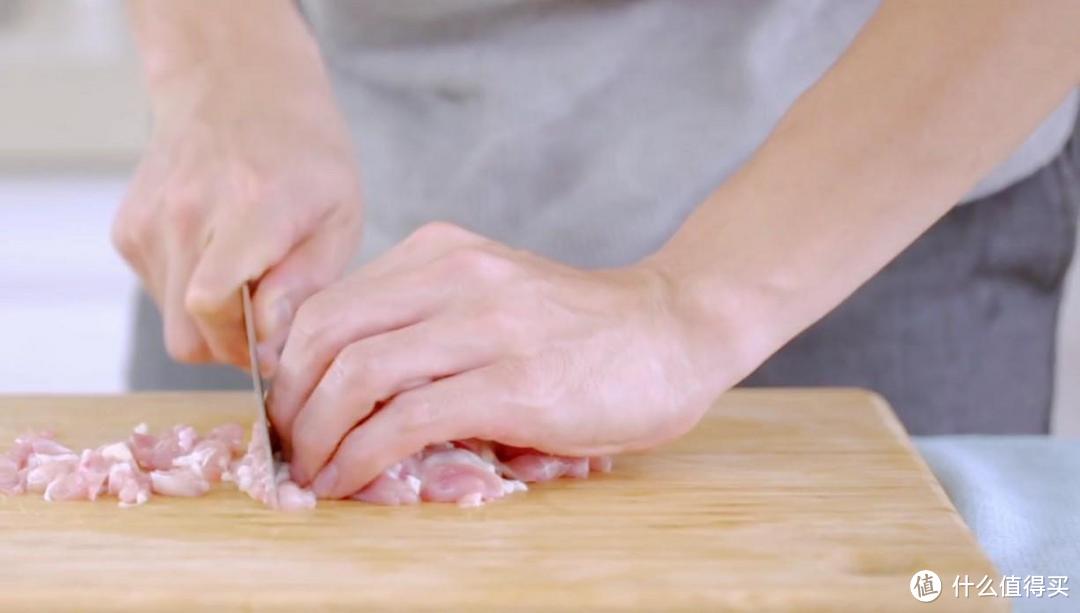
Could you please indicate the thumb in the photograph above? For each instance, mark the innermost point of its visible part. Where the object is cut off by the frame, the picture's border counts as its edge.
(240, 249)
(312, 265)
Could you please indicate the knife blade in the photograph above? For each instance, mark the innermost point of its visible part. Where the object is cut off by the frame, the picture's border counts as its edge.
(262, 429)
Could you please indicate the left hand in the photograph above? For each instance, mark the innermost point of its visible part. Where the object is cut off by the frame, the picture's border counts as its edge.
(452, 336)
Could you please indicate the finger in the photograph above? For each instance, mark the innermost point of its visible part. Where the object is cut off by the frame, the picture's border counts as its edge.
(226, 335)
(430, 242)
(183, 339)
(240, 249)
(344, 314)
(458, 407)
(131, 236)
(311, 266)
(373, 370)
(319, 333)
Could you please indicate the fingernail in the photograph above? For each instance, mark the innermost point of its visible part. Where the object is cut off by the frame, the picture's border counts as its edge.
(267, 359)
(325, 481)
(280, 314)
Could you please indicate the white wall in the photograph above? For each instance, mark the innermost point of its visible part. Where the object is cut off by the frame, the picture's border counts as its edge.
(65, 302)
(68, 84)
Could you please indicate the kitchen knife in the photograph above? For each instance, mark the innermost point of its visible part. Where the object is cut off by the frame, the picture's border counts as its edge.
(262, 437)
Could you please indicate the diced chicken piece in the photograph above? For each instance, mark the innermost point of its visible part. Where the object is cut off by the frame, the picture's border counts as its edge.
(42, 470)
(11, 481)
(47, 446)
(475, 499)
(116, 452)
(71, 486)
(180, 463)
(448, 475)
(142, 447)
(35, 443)
(19, 452)
(129, 484)
(391, 488)
(254, 474)
(291, 497)
(537, 467)
(232, 435)
(210, 459)
(158, 453)
(178, 482)
(94, 468)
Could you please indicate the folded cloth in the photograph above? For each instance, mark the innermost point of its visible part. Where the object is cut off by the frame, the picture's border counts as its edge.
(1021, 497)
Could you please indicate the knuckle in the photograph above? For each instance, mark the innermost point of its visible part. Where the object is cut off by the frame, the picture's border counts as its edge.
(183, 346)
(418, 415)
(304, 437)
(246, 185)
(201, 306)
(437, 231)
(503, 323)
(479, 262)
(125, 240)
(353, 369)
(129, 232)
(183, 213)
(524, 379)
(308, 325)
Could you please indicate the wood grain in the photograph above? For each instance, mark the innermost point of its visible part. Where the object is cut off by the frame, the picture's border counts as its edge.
(778, 500)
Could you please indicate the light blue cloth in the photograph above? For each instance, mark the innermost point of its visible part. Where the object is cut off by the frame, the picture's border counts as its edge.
(1021, 497)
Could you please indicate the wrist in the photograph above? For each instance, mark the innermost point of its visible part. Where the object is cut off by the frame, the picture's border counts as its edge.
(734, 313)
(190, 50)
(726, 325)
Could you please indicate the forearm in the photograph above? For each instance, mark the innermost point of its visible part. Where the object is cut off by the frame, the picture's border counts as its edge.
(237, 49)
(929, 98)
(249, 173)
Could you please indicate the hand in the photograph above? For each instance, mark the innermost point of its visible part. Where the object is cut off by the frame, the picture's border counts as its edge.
(249, 175)
(452, 336)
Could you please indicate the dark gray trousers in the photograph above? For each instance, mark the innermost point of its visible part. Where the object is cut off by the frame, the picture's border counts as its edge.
(958, 332)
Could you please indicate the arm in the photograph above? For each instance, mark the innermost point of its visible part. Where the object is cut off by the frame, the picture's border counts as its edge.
(249, 174)
(455, 336)
(927, 100)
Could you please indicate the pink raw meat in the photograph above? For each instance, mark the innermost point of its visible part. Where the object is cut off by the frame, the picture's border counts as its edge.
(449, 475)
(42, 469)
(209, 459)
(292, 497)
(129, 484)
(232, 435)
(178, 482)
(47, 446)
(11, 482)
(94, 468)
(188, 465)
(536, 467)
(70, 486)
(255, 476)
(471, 472)
(391, 487)
(180, 463)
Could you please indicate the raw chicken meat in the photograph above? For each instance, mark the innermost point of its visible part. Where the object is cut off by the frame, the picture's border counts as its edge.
(177, 463)
(181, 463)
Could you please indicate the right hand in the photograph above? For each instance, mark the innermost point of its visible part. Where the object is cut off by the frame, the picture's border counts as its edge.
(250, 176)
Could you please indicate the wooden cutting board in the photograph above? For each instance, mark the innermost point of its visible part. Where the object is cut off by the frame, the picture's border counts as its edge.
(779, 500)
